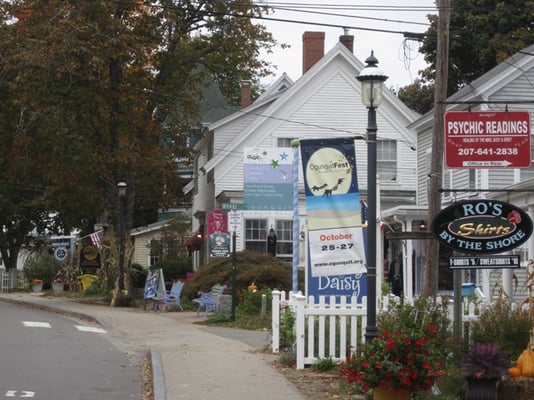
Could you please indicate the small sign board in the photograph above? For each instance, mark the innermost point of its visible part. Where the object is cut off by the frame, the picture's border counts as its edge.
(487, 139)
(483, 262)
(220, 244)
(60, 254)
(233, 206)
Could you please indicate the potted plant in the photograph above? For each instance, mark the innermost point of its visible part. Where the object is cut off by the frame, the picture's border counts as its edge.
(483, 367)
(37, 285)
(394, 365)
(58, 284)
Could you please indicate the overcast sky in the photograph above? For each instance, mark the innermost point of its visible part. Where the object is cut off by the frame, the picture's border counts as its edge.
(398, 58)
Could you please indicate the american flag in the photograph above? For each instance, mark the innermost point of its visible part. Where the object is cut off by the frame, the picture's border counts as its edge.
(96, 237)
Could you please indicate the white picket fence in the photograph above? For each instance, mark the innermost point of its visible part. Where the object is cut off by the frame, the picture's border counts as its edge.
(12, 279)
(329, 329)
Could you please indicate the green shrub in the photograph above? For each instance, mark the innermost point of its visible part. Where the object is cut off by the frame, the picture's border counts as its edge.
(418, 317)
(324, 365)
(252, 301)
(287, 329)
(175, 268)
(262, 269)
(41, 266)
(502, 325)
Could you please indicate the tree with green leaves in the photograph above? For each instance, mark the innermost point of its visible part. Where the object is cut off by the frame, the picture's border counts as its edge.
(94, 92)
(483, 33)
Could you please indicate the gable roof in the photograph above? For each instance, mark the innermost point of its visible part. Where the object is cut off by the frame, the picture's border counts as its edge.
(497, 77)
(275, 102)
(482, 88)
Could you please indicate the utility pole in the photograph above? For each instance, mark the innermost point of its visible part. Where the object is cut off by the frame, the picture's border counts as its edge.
(435, 176)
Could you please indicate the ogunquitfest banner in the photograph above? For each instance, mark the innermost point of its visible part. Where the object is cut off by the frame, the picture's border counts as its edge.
(267, 183)
(335, 235)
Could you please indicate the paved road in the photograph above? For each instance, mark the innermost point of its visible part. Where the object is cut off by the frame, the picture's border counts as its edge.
(191, 361)
(41, 354)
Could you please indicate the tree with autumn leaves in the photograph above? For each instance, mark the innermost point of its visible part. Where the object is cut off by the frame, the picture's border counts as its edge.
(93, 92)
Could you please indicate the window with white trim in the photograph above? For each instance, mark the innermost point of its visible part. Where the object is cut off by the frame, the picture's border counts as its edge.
(256, 235)
(284, 239)
(156, 250)
(386, 160)
(284, 142)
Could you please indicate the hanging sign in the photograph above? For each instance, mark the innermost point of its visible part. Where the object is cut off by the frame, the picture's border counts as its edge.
(487, 139)
(484, 262)
(482, 226)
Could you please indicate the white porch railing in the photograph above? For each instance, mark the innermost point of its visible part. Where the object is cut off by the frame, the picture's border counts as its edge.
(330, 329)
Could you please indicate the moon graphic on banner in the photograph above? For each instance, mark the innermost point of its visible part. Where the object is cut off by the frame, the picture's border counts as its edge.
(328, 173)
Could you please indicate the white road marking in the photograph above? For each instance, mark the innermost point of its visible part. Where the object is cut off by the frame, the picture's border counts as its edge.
(24, 393)
(33, 324)
(89, 329)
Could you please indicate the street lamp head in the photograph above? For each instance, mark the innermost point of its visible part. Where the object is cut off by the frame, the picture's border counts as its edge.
(121, 188)
(372, 79)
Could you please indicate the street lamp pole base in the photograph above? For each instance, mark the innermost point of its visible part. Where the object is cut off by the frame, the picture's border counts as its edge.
(371, 332)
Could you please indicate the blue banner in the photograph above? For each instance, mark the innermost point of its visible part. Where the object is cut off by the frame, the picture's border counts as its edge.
(334, 215)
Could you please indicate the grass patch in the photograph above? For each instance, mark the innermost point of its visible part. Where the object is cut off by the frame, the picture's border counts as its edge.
(242, 321)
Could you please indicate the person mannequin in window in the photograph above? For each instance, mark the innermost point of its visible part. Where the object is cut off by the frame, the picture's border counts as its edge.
(271, 243)
(395, 276)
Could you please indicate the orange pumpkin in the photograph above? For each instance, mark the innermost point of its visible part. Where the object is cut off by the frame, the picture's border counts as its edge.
(520, 360)
(514, 372)
(528, 363)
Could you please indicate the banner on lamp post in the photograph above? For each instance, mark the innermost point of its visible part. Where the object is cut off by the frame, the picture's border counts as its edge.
(335, 235)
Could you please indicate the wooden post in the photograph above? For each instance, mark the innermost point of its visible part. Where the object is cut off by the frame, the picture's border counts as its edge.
(430, 280)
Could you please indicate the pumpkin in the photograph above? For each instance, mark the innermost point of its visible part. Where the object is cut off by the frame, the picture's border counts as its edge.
(514, 372)
(528, 363)
(520, 361)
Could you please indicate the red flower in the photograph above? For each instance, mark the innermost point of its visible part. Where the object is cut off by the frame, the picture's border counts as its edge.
(396, 360)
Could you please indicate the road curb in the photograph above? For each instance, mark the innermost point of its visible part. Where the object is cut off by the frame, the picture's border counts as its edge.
(158, 382)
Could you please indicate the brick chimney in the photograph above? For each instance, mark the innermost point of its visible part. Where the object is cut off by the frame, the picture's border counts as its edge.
(347, 40)
(312, 49)
(245, 94)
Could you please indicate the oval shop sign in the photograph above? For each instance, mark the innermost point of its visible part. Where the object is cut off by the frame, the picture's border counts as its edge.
(482, 226)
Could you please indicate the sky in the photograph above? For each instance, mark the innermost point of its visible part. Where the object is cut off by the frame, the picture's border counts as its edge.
(365, 19)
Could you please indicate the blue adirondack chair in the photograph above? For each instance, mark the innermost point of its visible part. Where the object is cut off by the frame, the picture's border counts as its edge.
(210, 300)
(172, 297)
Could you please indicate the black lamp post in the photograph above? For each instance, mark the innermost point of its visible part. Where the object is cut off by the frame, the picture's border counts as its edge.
(122, 188)
(372, 79)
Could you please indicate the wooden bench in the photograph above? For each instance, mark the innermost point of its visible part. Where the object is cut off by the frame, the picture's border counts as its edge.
(209, 301)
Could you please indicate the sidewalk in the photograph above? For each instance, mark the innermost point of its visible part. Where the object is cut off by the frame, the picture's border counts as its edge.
(190, 361)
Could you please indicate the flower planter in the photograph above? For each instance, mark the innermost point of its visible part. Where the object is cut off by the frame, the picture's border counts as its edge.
(481, 389)
(37, 287)
(381, 393)
(58, 287)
